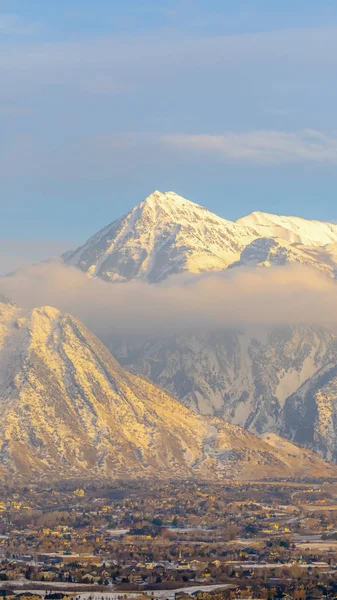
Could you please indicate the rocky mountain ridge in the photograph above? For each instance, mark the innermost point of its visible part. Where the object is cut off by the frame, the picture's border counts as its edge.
(166, 234)
(245, 376)
(67, 409)
(281, 380)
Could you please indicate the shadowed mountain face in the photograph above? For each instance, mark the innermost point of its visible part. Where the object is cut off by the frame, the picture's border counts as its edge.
(280, 380)
(310, 414)
(245, 376)
(68, 409)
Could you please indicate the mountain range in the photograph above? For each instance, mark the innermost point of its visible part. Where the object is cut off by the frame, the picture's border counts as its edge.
(280, 380)
(167, 234)
(237, 403)
(67, 409)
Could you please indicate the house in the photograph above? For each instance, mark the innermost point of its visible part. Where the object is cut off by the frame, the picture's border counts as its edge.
(183, 565)
(135, 577)
(206, 573)
(216, 563)
(47, 575)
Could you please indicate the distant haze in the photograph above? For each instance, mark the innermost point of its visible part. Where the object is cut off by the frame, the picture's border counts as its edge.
(19, 254)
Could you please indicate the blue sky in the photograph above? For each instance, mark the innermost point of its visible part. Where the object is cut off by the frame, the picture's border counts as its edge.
(230, 103)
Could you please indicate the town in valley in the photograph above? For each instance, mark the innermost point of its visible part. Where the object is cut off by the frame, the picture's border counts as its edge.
(175, 540)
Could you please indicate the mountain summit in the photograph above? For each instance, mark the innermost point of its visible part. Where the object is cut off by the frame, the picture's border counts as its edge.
(164, 235)
(167, 234)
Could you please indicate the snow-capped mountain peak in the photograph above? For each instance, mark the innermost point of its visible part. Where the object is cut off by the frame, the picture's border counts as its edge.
(164, 235)
(291, 229)
(166, 205)
(167, 234)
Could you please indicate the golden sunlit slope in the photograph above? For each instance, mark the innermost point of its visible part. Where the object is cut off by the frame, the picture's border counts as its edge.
(68, 409)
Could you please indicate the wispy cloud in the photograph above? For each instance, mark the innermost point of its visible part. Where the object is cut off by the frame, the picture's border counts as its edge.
(256, 147)
(102, 155)
(265, 147)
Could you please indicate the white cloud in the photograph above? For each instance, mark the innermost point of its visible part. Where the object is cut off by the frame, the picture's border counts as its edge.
(265, 147)
(277, 296)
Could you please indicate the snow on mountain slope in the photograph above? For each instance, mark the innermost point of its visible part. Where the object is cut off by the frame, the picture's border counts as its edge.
(68, 409)
(291, 229)
(243, 376)
(167, 234)
(282, 381)
(310, 414)
(266, 252)
(164, 235)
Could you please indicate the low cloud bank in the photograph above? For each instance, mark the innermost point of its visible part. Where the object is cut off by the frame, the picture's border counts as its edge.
(275, 296)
